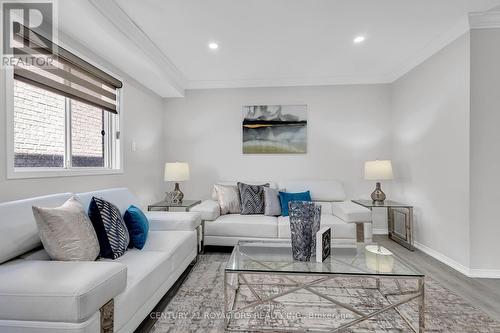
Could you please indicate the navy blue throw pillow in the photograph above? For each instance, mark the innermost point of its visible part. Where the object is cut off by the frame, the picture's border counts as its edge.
(110, 228)
(286, 197)
(137, 225)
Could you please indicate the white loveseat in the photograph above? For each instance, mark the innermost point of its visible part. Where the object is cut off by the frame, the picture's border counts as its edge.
(350, 222)
(42, 296)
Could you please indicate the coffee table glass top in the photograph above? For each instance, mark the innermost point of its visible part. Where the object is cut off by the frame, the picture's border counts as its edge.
(276, 257)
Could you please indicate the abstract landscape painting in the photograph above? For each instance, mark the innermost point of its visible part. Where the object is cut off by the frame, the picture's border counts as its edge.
(275, 129)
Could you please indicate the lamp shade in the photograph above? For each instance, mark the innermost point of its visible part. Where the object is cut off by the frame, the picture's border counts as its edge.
(176, 172)
(378, 170)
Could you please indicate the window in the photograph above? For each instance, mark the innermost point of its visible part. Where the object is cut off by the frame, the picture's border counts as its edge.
(64, 118)
(53, 131)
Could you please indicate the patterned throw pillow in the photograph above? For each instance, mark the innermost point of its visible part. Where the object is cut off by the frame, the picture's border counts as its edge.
(110, 228)
(252, 198)
(228, 198)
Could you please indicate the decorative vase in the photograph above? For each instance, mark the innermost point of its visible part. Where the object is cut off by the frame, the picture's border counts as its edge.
(305, 219)
(316, 225)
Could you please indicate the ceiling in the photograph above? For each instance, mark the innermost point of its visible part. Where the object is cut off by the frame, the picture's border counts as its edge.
(262, 43)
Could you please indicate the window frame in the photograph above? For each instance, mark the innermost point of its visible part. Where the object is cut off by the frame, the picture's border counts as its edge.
(113, 148)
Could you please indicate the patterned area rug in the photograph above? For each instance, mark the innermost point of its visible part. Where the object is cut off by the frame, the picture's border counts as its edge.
(199, 304)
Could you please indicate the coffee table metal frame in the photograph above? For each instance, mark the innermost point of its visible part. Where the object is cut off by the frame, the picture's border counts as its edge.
(235, 278)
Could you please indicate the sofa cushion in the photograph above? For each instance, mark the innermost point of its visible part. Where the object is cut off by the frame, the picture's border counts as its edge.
(18, 231)
(58, 290)
(162, 221)
(110, 228)
(236, 225)
(209, 210)
(326, 207)
(341, 229)
(321, 190)
(177, 244)
(348, 211)
(66, 232)
(121, 197)
(146, 271)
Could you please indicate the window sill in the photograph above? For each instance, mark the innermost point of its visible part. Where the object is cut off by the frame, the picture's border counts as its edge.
(51, 173)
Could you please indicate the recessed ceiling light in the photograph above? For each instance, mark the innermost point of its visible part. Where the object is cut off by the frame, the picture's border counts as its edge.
(213, 46)
(359, 39)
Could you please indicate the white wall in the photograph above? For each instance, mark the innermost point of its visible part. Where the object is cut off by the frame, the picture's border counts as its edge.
(485, 151)
(430, 113)
(142, 121)
(346, 126)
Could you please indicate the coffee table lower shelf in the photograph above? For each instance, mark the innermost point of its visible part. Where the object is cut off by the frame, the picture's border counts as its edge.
(242, 284)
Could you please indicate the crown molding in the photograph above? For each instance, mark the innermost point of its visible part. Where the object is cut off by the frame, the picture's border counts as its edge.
(429, 50)
(425, 53)
(286, 82)
(117, 16)
(484, 20)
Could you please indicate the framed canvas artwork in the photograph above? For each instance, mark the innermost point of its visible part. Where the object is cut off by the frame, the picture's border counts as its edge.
(275, 129)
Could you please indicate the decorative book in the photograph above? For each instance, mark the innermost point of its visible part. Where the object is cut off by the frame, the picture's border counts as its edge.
(323, 241)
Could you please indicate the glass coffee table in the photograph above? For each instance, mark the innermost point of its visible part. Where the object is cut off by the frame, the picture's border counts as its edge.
(266, 290)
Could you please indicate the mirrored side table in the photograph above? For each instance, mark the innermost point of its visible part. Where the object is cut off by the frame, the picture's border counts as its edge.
(186, 205)
(166, 206)
(399, 220)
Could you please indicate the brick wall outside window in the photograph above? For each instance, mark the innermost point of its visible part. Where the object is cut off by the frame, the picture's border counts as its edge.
(39, 129)
(87, 140)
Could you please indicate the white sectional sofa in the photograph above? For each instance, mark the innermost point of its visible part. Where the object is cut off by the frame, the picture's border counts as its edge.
(350, 222)
(38, 295)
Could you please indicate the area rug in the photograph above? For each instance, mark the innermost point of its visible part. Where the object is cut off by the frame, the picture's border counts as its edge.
(198, 306)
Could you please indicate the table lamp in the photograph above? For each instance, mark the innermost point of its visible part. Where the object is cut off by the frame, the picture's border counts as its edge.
(378, 170)
(177, 172)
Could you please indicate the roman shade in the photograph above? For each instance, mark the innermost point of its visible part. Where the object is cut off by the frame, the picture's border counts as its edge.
(65, 74)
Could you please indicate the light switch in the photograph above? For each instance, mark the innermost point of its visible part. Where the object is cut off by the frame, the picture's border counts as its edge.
(134, 146)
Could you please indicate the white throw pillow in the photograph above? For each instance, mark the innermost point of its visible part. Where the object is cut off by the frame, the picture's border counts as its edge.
(229, 199)
(66, 232)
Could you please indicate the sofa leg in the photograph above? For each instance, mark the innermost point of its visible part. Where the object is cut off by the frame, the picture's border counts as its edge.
(360, 232)
(107, 317)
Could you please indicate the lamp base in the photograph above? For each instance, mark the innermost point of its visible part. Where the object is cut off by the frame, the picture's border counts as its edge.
(176, 196)
(378, 196)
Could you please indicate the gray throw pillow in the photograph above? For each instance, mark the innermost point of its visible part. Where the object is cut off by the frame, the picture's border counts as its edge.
(228, 198)
(66, 232)
(252, 198)
(272, 205)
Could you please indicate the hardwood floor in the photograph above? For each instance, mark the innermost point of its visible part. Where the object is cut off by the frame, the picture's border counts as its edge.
(484, 294)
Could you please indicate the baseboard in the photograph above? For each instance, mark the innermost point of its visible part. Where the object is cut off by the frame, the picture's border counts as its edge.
(380, 231)
(485, 273)
(469, 272)
(444, 259)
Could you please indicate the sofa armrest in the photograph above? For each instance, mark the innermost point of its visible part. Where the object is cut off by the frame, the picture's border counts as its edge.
(350, 212)
(209, 210)
(59, 291)
(165, 221)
